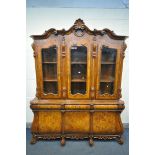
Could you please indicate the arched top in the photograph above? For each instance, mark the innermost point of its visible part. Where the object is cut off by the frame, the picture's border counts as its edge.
(79, 28)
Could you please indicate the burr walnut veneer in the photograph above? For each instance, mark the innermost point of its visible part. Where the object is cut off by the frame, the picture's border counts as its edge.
(78, 92)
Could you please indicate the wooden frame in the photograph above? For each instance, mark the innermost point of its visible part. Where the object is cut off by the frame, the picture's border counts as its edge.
(79, 96)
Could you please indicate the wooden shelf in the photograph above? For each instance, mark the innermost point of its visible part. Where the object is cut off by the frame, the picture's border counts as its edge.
(49, 62)
(50, 80)
(78, 80)
(107, 80)
(78, 63)
(108, 63)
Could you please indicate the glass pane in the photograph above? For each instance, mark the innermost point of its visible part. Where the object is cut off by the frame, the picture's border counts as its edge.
(79, 54)
(108, 55)
(50, 87)
(49, 54)
(49, 66)
(106, 87)
(78, 69)
(107, 74)
(78, 87)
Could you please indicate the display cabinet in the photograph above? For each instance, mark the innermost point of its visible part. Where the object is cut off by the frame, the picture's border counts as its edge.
(78, 74)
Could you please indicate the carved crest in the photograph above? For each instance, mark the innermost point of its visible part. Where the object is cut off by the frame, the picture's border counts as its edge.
(79, 29)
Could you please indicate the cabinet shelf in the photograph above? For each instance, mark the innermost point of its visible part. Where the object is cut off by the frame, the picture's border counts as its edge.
(79, 62)
(50, 80)
(107, 80)
(49, 62)
(107, 63)
(78, 80)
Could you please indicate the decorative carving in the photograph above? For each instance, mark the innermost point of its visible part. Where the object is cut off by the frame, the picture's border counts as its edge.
(63, 142)
(105, 94)
(119, 92)
(91, 142)
(35, 53)
(94, 50)
(124, 46)
(64, 92)
(92, 92)
(33, 140)
(120, 140)
(79, 28)
(63, 47)
(36, 138)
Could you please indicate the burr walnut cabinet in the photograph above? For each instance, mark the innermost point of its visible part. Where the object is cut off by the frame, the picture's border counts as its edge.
(78, 75)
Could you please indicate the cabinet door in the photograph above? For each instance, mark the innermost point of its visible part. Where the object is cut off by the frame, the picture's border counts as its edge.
(107, 75)
(78, 72)
(50, 59)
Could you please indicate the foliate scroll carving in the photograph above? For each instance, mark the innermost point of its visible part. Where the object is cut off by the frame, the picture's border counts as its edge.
(79, 27)
(63, 48)
(94, 52)
(35, 53)
(124, 46)
(119, 92)
(64, 92)
(36, 138)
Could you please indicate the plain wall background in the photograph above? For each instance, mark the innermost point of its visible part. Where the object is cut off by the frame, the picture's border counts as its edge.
(41, 19)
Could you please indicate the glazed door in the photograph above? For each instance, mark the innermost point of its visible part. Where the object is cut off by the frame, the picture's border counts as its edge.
(107, 75)
(78, 71)
(50, 75)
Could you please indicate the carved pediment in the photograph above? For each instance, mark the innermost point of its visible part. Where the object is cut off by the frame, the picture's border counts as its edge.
(79, 29)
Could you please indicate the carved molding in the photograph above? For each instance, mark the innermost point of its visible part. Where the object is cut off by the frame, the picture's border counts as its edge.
(106, 94)
(36, 138)
(124, 46)
(79, 28)
(94, 52)
(35, 53)
(63, 52)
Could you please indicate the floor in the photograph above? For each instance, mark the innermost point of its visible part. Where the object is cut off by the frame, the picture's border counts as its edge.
(74, 147)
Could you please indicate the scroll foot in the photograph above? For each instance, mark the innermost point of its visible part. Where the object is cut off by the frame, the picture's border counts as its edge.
(63, 142)
(33, 140)
(91, 142)
(120, 141)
